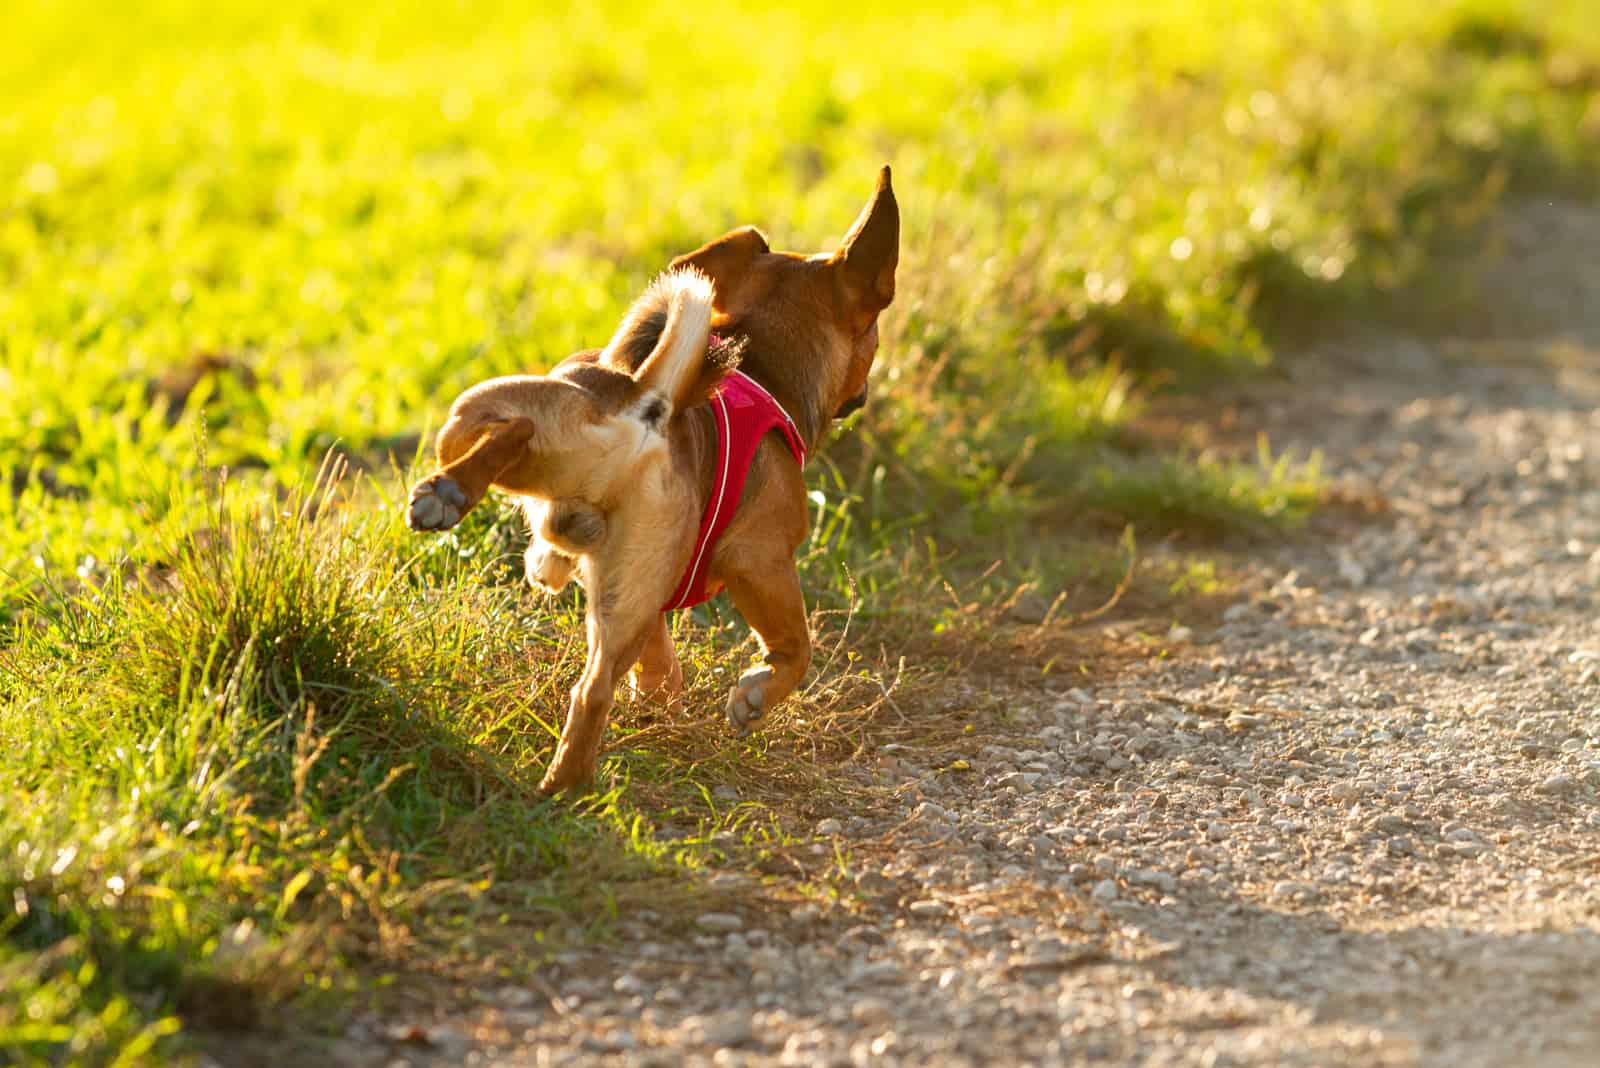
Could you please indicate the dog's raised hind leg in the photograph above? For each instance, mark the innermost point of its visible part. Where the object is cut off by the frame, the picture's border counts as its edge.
(440, 500)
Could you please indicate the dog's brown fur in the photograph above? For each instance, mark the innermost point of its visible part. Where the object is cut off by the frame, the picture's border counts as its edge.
(613, 456)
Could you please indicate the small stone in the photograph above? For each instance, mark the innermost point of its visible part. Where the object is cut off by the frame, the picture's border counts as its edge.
(1558, 785)
(926, 907)
(1346, 791)
(515, 997)
(719, 921)
(830, 826)
(1104, 891)
(874, 971)
(1158, 879)
(722, 1030)
(1019, 780)
(1293, 890)
(929, 811)
(617, 1041)
(871, 1010)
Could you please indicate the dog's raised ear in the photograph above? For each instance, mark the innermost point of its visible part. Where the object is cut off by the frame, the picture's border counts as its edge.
(726, 261)
(871, 250)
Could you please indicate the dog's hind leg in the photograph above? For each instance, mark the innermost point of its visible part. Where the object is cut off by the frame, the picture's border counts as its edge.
(439, 501)
(617, 636)
(658, 677)
(769, 598)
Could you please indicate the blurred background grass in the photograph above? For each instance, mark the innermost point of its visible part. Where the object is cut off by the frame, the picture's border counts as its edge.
(238, 235)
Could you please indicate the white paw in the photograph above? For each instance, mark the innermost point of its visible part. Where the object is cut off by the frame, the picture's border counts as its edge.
(436, 504)
(747, 702)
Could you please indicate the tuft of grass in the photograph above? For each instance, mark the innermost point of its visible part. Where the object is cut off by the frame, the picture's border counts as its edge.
(230, 778)
(1207, 497)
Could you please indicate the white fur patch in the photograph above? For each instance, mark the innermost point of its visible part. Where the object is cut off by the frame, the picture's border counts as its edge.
(685, 296)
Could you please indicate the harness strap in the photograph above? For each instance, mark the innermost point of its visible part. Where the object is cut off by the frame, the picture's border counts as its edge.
(742, 412)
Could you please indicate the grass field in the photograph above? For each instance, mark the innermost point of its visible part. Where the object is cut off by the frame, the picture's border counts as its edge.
(258, 743)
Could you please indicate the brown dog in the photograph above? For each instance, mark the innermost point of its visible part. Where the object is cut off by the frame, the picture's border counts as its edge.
(615, 455)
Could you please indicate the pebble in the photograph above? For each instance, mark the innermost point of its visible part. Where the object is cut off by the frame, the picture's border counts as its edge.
(719, 921)
(1105, 890)
(871, 1010)
(1558, 785)
(1293, 889)
(1158, 879)
(616, 1041)
(723, 1029)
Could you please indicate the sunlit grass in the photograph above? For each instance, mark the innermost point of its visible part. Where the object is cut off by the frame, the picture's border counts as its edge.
(257, 738)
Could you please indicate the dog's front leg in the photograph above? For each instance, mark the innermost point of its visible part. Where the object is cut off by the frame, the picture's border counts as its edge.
(615, 642)
(439, 501)
(770, 600)
(658, 677)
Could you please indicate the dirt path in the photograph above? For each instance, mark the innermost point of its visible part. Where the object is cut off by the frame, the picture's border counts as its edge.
(1358, 824)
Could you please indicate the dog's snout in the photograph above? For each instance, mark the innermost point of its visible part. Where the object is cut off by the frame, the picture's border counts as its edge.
(854, 404)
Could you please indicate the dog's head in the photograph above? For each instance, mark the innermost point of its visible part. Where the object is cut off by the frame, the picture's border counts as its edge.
(812, 320)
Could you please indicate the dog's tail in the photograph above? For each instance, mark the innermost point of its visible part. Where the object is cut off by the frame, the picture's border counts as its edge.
(672, 318)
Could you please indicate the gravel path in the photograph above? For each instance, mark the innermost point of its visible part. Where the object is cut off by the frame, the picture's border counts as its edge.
(1354, 822)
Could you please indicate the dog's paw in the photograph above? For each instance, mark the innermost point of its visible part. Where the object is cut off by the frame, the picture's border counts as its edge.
(747, 702)
(663, 692)
(437, 504)
(566, 776)
(548, 568)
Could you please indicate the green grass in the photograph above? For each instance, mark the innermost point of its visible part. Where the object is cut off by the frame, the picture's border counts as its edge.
(258, 742)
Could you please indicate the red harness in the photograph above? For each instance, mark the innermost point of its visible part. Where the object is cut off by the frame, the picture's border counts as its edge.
(742, 412)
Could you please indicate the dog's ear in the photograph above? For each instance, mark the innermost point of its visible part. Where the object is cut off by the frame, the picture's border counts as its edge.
(726, 261)
(871, 250)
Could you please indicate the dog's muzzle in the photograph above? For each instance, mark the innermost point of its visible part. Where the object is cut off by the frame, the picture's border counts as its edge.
(854, 404)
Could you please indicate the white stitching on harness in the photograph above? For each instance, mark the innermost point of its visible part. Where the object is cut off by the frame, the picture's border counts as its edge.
(718, 494)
